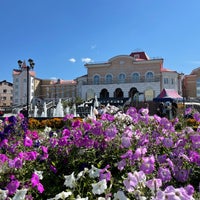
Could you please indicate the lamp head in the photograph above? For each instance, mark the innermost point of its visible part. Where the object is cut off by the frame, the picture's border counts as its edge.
(19, 63)
(31, 63)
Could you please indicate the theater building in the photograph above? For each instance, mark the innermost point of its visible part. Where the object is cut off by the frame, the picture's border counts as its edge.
(128, 76)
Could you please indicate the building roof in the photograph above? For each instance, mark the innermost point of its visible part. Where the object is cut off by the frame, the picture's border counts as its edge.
(139, 55)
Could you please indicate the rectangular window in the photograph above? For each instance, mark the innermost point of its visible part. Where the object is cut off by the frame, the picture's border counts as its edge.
(165, 80)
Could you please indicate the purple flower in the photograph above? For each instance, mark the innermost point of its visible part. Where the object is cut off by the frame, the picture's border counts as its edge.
(189, 189)
(194, 157)
(154, 184)
(141, 151)
(168, 142)
(53, 169)
(18, 163)
(188, 111)
(181, 175)
(197, 116)
(126, 142)
(105, 174)
(195, 140)
(162, 158)
(128, 155)
(147, 165)
(110, 132)
(121, 164)
(12, 186)
(164, 174)
(133, 179)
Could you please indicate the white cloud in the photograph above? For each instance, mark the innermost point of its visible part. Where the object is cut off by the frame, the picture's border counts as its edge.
(93, 46)
(87, 60)
(73, 60)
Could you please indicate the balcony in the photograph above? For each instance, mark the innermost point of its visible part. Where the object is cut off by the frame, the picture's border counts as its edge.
(102, 81)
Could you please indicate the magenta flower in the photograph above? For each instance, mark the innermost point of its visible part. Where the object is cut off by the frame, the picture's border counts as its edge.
(66, 132)
(35, 180)
(147, 165)
(32, 155)
(108, 117)
(3, 158)
(40, 188)
(76, 124)
(28, 142)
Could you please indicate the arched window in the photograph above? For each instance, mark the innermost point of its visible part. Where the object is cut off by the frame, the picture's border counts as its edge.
(104, 93)
(96, 79)
(198, 87)
(118, 93)
(135, 77)
(149, 76)
(121, 78)
(108, 78)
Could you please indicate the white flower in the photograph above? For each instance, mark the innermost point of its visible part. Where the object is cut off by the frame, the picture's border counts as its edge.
(82, 173)
(39, 173)
(94, 172)
(47, 129)
(70, 181)
(100, 187)
(79, 198)
(120, 196)
(20, 194)
(63, 195)
(3, 194)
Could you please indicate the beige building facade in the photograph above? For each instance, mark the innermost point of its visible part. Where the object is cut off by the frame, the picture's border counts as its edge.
(124, 76)
(6, 94)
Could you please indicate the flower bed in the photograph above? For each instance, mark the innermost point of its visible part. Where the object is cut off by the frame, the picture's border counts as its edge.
(119, 156)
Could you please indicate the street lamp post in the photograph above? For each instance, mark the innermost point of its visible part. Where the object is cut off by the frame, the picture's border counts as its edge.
(28, 68)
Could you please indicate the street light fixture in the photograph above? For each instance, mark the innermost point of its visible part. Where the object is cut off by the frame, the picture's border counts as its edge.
(28, 68)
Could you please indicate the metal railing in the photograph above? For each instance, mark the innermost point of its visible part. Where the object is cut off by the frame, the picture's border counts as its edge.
(103, 81)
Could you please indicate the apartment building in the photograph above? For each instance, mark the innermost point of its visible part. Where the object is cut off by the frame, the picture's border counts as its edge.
(23, 82)
(53, 90)
(124, 76)
(191, 85)
(6, 96)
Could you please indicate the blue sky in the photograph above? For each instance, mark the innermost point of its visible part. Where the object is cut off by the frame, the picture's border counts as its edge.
(61, 35)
